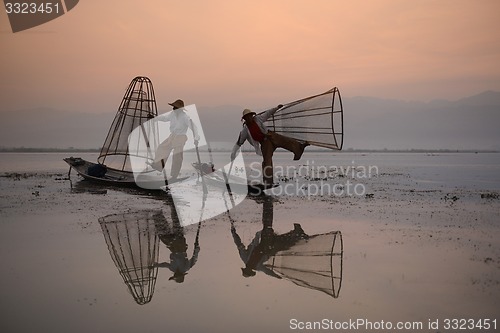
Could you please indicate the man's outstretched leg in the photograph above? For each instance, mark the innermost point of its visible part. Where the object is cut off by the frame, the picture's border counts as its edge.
(296, 147)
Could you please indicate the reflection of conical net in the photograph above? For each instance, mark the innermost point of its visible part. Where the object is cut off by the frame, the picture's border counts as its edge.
(133, 245)
(317, 119)
(137, 107)
(315, 262)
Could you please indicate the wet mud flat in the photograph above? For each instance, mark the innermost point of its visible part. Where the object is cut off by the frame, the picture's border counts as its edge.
(410, 251)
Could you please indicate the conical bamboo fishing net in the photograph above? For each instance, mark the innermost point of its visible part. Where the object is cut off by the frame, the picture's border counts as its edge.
(137, 107)
(133, 245)
(314, 262)
(317, 119)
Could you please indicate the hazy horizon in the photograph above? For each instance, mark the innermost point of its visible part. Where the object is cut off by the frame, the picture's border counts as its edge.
(469, 123)
(227, 56)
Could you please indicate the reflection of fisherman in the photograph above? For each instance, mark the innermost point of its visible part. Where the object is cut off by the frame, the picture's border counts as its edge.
(265, 141)
(179, 124)
(266, 243)
(173, 237)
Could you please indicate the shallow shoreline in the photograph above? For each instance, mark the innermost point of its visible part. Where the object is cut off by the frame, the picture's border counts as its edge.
(413, 250)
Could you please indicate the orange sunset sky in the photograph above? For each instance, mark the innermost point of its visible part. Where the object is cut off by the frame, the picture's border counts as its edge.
(252, 53)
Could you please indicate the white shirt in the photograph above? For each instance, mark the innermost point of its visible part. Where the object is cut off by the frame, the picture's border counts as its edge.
(179, 123)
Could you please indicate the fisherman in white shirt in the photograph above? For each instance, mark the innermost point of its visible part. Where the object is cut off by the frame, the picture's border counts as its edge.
(179, 124)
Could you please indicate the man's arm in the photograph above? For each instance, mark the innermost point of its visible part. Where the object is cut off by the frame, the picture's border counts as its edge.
(237, 240)
(165, 117)
(268, 113)
(194, 257)
(163, 265)
(193, 127)
(241, 140)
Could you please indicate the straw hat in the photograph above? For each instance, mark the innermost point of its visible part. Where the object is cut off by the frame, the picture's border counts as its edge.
(247, 111)
(179, 104)
(248, 272)
(178, 277)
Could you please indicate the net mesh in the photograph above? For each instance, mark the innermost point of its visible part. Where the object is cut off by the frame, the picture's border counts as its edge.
(137, 107)
(317, 119)
(315, 263)
(133, 245)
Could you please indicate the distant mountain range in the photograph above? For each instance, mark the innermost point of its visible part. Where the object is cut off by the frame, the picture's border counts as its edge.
(370, 123)
(468, 123)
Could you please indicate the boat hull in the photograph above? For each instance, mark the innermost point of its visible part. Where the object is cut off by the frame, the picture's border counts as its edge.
(112, 176)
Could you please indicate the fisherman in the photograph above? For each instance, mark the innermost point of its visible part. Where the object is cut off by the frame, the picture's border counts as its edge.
(266, 243)
(265, 141)
(179, 124)
(171, 234)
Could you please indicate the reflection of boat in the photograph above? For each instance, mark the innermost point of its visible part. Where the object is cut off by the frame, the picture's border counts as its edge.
(315, 262)
(113, 167)
(133, 245)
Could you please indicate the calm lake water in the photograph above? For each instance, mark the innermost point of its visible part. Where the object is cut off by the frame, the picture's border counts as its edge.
(76, 261)
(471, 170)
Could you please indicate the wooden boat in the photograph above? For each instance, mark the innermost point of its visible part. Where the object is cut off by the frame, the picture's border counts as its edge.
(112, 176)
(137, 107)
(216, 178)
(116, 177)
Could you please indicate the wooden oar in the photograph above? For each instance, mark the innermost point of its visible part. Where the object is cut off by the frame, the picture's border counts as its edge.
(205, 190)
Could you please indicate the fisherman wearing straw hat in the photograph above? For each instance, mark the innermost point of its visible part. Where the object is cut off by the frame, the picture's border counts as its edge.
(265, 141)
(179, 124)
(266, 243)
(171, 234)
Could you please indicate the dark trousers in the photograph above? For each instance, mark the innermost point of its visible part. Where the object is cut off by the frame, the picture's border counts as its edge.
(268, 146)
